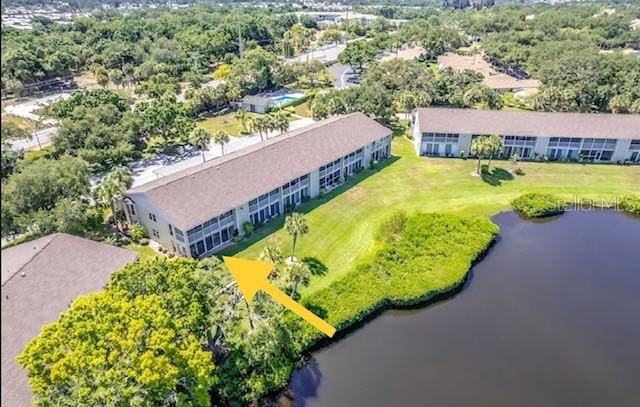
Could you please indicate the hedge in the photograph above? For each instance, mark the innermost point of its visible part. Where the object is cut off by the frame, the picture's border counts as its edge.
(631, 204)
(537, 205)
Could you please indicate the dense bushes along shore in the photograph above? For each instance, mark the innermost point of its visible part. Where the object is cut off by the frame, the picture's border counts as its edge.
(165, 331)
(536, 205)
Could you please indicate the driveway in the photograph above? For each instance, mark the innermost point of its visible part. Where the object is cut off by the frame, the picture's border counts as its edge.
(342, 74)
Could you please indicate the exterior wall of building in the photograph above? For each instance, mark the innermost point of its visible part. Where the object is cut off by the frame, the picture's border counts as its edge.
(542, 144)
(156, 224)
(417, 135)
(621, 150)
(633, 154)
(218, 232)
(464, 144)
(530, 147)
(314, 183)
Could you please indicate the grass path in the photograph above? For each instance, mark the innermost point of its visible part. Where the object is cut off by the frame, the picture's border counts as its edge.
(343, 224)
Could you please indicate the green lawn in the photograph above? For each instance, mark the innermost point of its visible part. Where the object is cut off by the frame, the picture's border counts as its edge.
(343, 223)
(144, 252)
(21, 122)
(231, 125)
(225, 122)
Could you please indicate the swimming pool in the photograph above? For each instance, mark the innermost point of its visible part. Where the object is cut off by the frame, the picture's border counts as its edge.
(284, 99)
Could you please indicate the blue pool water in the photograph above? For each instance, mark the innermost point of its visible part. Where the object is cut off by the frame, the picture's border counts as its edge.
(284, 99)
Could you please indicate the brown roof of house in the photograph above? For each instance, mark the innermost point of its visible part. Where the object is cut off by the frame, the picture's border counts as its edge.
(40, 279)
(195, 195)
(541, 124)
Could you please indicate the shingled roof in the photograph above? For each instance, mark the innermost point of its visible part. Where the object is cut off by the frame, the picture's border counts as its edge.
(535, 124)
(40, 279)
(193, 196)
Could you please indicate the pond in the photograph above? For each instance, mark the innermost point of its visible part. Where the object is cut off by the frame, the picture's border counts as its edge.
(551, 316)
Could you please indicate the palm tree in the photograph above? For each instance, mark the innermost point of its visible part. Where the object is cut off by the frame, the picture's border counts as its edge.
(272, 254)
(282, 121)
(297, 273)
(221, 137)
(260, 125)
(494, 146)
(479, 148)
(296, 225)
(111, 188)
(199, 137)
(242, 116)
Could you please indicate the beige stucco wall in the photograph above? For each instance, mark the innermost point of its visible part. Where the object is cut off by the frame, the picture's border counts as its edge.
(621, 151)
(144, 207)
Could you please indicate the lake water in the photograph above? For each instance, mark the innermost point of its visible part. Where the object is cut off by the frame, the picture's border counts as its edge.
(550, 317)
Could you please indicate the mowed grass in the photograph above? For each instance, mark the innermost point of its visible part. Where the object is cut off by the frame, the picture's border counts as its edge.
(343, 224)
(226, 122)
(232, 126)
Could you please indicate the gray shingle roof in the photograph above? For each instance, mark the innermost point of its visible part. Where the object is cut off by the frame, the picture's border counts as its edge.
(40, 279)
(195, 195)
(257, 100)
(541, 124)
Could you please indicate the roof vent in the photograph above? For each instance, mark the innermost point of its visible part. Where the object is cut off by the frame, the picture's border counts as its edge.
(23, 274)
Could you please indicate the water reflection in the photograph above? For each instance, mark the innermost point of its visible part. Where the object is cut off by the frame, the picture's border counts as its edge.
(549, 318)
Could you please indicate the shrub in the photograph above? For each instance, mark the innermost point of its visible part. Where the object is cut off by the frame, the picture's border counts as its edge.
(431, 254)
(391, 229)
(144, 241)
(248, 228)
(537, 205)
(137, 232)
(631, 204)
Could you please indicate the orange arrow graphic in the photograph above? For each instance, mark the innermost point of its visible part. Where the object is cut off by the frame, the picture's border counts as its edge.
(251, 277)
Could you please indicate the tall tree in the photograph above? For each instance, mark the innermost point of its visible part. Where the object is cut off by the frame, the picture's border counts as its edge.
(296, 226)
(494, 147)
(272, 254)
(200, 138)
(221, 137)
(108, 349)
(479, 148)
(242, 116)
(297, 273)
(111, 188)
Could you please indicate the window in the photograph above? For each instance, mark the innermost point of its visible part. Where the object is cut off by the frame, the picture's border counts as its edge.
(179, 235)
(152, 217)
(132, 209)
(170, 230)
(155, 233)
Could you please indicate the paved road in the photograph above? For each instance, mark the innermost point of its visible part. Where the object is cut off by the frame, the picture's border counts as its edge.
(327, 54)
(27, 109)
(342, 73)
(44, 136)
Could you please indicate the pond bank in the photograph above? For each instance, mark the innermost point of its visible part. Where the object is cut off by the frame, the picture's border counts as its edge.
(543, 319)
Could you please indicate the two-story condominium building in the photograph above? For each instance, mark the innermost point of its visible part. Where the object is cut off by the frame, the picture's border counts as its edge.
(589, 137)
(199, 210)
